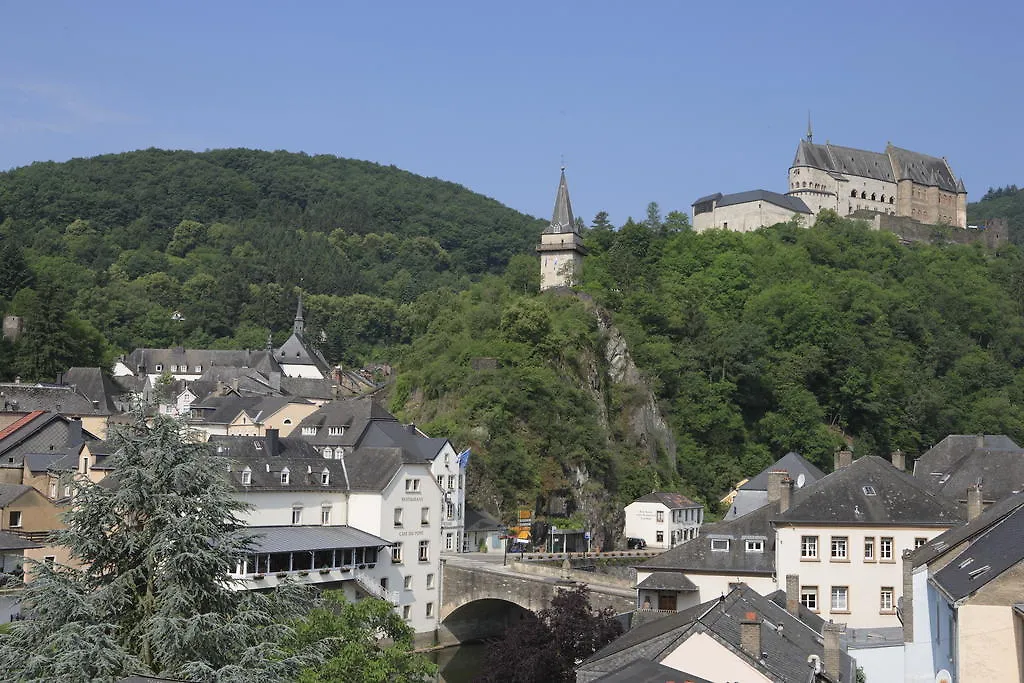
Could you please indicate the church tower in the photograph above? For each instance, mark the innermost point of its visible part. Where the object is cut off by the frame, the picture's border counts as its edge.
(561, 245)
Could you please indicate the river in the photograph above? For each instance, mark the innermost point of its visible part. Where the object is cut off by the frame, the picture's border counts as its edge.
(459, 664)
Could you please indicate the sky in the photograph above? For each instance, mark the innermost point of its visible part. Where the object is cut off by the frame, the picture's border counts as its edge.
(642, 101)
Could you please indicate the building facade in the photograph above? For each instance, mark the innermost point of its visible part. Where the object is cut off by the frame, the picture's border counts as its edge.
(746, 211)
(663, 519)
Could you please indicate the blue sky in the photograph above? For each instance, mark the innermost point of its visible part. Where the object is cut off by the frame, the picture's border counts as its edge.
(655, 101)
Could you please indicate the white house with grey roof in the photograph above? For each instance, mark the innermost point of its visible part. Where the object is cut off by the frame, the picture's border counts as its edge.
(664, 519)
(746, 211)
(367, 520)
(753, 494)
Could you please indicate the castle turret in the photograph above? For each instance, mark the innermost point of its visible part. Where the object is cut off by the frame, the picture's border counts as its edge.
(561, 246)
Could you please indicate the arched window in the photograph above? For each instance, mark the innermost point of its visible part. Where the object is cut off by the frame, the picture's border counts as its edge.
(883, 198)
(853, 193)
(872, 196)
(892, 200)
(863, 195)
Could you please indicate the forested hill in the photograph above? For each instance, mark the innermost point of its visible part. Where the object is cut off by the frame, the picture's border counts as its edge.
(226, 237)
(1004, 202)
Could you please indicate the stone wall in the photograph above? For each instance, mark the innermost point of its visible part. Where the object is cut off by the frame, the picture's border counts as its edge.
(992, 235)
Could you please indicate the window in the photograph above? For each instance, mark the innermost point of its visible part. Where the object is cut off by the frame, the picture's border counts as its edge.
(892, 200)
(451, 481)
(863, 195)
(396, 553)
(869, 491)
(328, 452)
(296, 514)
(885, 599)
(424, 555)
(258, 445)
(869, 549)
(440, 481)
(873, 196)
(661, 515)
(839, 548)
(325, 514)
(853, 193)
(808, 547)
(285, 477)
(660, 537)
(53, 488)
(325, 477)
(48, 560)
(406, 612)
(755, 546)
(430, 580)
(198, 369)
(719, 544)
(885, 548)
(840, 602)
(335, 431)
(918, 542)
(407, 583)
(67, 490)
(398, 516)
(809, 597)
(15, 519)
(309, 431)
(412, 485)
(449, 541)
(424, 516)
(430, 609)
(158, 367)
(246, 477)
(450, 510)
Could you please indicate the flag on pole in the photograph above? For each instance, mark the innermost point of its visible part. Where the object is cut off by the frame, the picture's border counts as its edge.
(464, 458)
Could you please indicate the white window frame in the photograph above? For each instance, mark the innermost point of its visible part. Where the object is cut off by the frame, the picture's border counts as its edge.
(425, 516)
(286, 477)
(808, 547)
(325, 515)
(886, 599)
(247, 477)
(839, 600)
(754, 545)
(335, 431)
(296, 515)
(424, 551)
(721, 543)
(309, 431)
(839, 548)
(407, 582)
(869, 549)
(809, 597)
(885, 548)
(396, 553)
(325, 477)
(430, 580)
(399, 517)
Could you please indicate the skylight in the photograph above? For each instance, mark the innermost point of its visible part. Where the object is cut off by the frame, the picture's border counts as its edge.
(869, 490)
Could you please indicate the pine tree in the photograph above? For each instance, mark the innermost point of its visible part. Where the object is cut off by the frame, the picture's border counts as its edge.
(156, 543)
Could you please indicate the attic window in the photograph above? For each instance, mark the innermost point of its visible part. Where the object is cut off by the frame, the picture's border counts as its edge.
(335, 431)
(258, 445)
(869, 491)
(720, 544)
(285, 477)
(198, 368)
(246, 477)
(755, 546)
(158, 367)
(325, 478)
(979, 571)
(309, 431)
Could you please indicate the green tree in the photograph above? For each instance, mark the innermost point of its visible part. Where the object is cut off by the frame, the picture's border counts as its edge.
(367, 642)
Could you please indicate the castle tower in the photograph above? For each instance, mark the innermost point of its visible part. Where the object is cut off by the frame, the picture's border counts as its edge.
(561, 246)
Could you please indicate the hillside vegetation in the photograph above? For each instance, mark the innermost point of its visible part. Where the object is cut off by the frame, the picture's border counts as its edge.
(1004, 202)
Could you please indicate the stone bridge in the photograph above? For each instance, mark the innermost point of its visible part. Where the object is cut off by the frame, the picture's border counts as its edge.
(481, 600)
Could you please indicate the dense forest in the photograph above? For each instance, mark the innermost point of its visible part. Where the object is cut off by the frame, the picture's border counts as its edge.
(789, 338)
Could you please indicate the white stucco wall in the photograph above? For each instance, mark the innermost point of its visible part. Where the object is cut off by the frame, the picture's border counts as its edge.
(710, 586)
(988, 647)
(918, 655)
(701, 655)
(743, 217)
(274, 508)
(642, 522)
(453, 490)
(863, 579)
(880, 664)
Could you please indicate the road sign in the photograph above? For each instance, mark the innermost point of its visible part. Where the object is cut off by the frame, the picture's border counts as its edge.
(586, 536)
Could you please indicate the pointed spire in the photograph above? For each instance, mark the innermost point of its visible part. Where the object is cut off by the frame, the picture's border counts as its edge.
(562, 220)
(299, 327)
(810, 130)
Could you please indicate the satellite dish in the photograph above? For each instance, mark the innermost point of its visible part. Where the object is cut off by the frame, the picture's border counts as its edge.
(943, 677)
(801, 480)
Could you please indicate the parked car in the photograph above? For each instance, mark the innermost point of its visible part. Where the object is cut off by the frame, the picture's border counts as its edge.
(636, 543)
(519, 546)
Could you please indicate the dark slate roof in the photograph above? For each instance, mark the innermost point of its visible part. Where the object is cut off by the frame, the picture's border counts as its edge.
(707, 198)
(191, 358)
(287, 539)
(787, 648)
(696, 554)
(810, 618)
(941, 457)
(562, 220)
(39, 432)
(371, 469)
(995, 551)
(49, 397)
(11, 492)
(10, 541)
(844, 160)
(667, 581)
(476, 520)
(224, 409)
(646, 671)
(385, 433)
(794, 464)
(308, 387)
(922, 169)
(670, 499)
(948, 540)
(962, 461)
(60, 459)
(297, 351)
(794, 204)
(898, 500)
(354, 414)
(95, 385)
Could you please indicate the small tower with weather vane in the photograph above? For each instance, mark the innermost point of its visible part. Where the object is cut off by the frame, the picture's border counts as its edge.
(561, 245)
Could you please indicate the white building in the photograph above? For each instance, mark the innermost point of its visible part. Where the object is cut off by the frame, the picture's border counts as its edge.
(746, 211)
(663, 519)
(367, 521)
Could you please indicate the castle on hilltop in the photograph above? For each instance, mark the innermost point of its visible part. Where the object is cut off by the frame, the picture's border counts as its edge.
(894, 183)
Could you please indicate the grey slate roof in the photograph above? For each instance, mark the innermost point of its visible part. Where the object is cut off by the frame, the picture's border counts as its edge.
(50, 397)
(892, 165)
(646, 671)
(787, 648)
(898, 500)
(385, 433)
(296, 351)
(996, 550)
(60, 459)
(39, 432)
(794, 464)
(11, 492)
(922, 169)
(148, 359)
(960, 461)
(289, 539)
(354, 414)
(695, 555)
(668, 581)
(307, 387)
(562, 219)
(95, 385)
(9, 541)
(794, 204)
(670, 499)
(477, 520)
(224, 409)
(948, 540)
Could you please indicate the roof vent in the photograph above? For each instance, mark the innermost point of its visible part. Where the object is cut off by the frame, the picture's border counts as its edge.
(966, 562)
(979, 571)
(268, 467)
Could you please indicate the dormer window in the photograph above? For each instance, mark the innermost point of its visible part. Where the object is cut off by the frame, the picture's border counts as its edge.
(720, 545)
(328, 452)
(309, 431)
(325, 477)
(198, 369)
(158, 367)
(755, 546)
(869, 491)
(258, 445)
(336, 431)
(285, 477)
(246, 477)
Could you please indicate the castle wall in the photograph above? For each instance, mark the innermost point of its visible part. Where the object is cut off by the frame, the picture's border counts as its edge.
(744, 217)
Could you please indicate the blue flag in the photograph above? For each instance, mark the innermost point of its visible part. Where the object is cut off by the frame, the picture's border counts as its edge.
(464, 458)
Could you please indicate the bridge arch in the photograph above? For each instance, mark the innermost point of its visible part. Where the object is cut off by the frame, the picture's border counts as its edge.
(482, 619)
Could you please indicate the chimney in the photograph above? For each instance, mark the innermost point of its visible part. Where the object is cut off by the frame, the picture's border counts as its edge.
(785, 492)
(979, 441)
(750, 635)
(899, 460)
(830, 634)
(273, 448)
(907, 601)
(793, 594)
(234, 384)
(775, 479)
(74, 432)
(411, 427)
(843, 458)
(974, 502)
